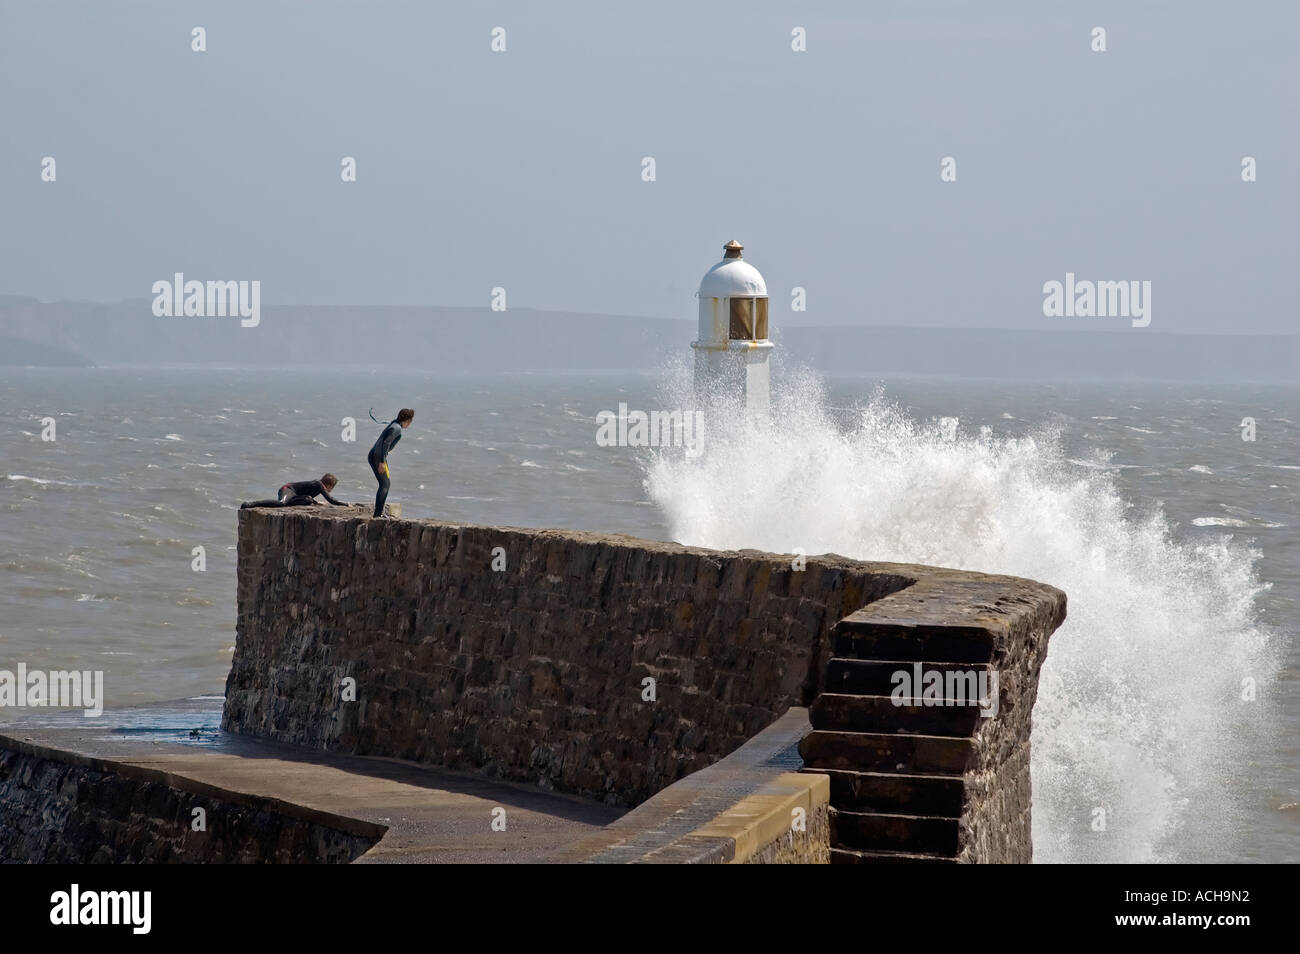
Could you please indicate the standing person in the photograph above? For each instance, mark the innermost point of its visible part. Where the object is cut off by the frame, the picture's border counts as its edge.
(302, 493)
(379, 453)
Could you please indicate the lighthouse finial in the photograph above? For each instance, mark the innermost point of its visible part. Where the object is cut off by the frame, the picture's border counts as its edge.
(732, 249)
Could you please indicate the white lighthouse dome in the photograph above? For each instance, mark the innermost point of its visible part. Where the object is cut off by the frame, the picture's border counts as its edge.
(733, 277)
(733, 348)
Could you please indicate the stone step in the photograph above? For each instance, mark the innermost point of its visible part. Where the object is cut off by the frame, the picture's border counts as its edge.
(849, 856)
(886, 752)
(939, 795)
(837, 711)
(875, 677)
(881, 640)
(915, 834)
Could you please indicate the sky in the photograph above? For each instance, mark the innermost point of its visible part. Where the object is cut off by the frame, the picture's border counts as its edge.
(524, 168)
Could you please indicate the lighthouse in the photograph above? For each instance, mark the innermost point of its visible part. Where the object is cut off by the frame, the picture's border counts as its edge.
(732, 351)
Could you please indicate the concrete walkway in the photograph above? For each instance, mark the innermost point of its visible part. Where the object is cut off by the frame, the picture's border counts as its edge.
(432, 815)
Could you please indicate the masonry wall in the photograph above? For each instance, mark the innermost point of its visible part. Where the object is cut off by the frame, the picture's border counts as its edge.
(933, 779)
(58, 807)
(536, 670)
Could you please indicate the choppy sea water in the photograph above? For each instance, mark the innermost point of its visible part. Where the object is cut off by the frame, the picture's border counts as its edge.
(1177, 542)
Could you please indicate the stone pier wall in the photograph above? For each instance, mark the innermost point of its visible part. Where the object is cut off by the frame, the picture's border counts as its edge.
(604, 666)
(59, 807)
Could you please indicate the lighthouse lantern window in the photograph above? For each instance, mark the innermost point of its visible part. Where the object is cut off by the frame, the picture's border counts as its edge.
(742, 319)
(748, 319)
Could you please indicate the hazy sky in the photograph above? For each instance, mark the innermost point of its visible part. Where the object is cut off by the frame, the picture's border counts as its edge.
(523, 168)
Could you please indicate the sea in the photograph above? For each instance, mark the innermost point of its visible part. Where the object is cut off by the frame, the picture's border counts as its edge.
(1167, 726)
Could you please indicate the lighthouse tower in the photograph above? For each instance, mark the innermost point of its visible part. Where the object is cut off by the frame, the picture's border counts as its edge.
(732, 352)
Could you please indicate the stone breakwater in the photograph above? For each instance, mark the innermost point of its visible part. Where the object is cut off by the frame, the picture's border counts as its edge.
(611, 667)
(59, 807)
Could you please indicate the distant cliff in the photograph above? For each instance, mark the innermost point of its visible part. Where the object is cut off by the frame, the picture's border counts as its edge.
(15, 352)
(464, 339)
(525, 339)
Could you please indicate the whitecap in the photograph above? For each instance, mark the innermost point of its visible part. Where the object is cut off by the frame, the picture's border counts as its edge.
(40, 480)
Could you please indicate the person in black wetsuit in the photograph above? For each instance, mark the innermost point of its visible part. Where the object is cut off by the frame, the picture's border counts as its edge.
(379, 453)
(301, 493)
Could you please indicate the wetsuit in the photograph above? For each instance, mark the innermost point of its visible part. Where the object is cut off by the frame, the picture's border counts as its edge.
(379, 462)
(297, 494)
